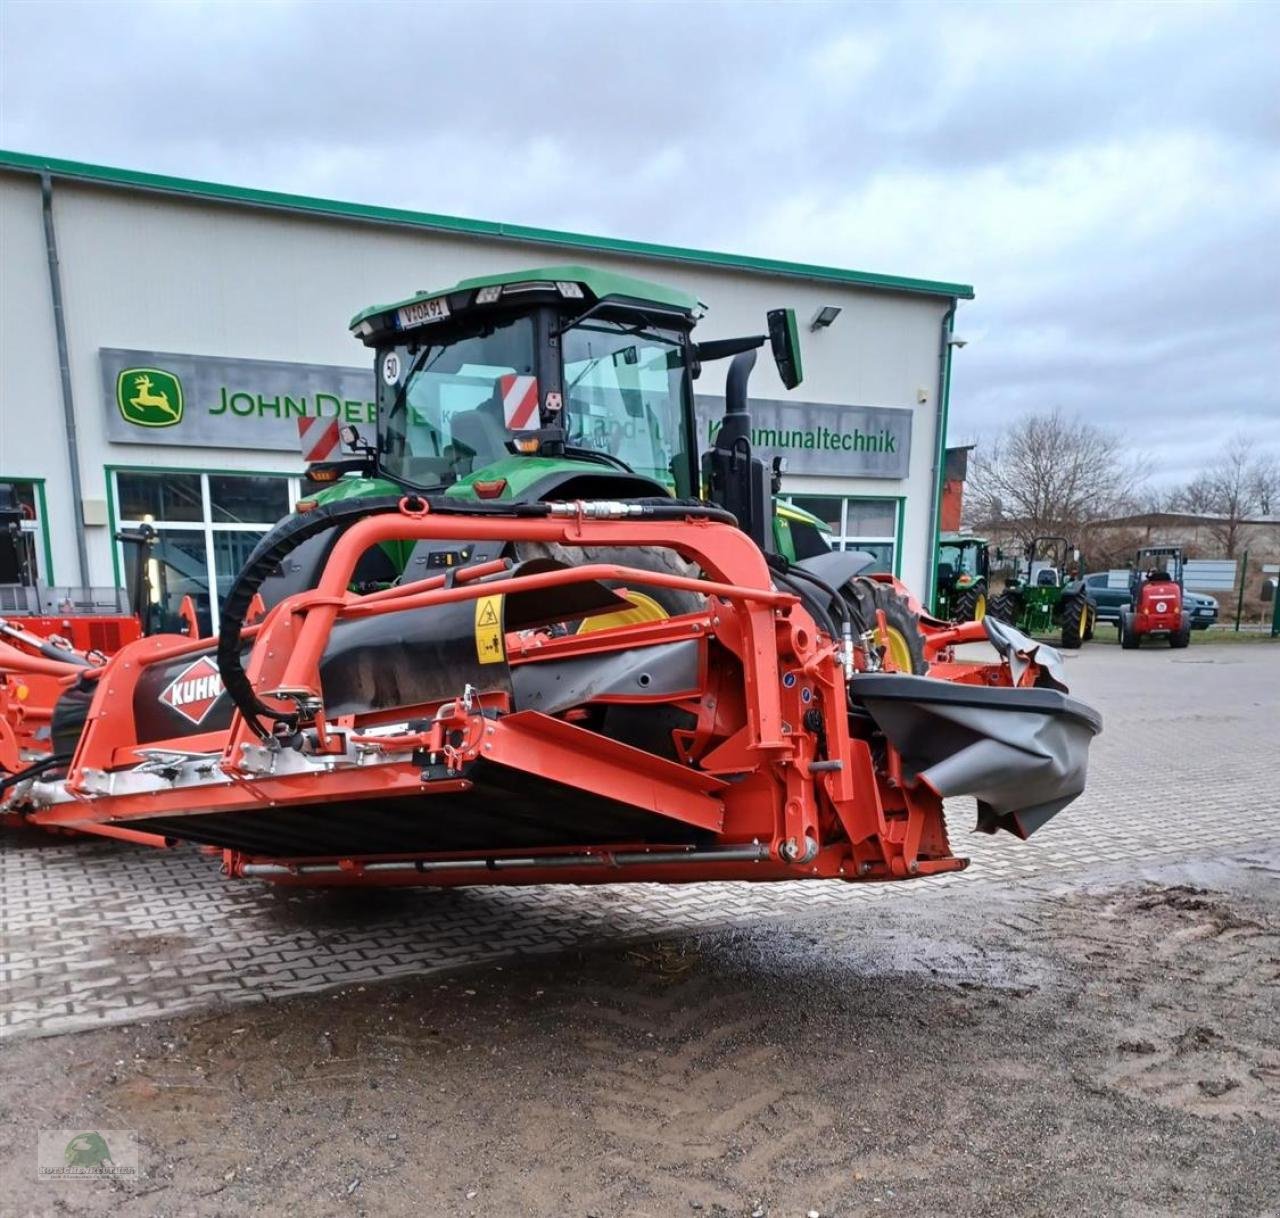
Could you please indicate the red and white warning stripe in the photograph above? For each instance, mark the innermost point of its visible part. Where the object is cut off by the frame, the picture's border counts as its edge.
(519, 402)
(318, 439)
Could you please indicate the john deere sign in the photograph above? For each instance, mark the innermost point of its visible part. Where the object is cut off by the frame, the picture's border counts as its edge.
(819, 438)
(199, 401)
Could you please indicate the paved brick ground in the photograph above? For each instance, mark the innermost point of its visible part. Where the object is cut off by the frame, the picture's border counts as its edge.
(92, 934)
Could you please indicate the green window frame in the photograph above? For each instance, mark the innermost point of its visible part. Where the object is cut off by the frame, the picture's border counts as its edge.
(845, 534)
(42, 522)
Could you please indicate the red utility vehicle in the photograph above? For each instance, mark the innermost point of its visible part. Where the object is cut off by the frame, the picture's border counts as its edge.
(1156, 609)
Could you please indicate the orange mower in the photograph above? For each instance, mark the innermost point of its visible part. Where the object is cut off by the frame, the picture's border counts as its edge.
(555, 686)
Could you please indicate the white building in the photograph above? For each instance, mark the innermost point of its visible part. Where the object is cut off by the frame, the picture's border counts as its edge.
(238, 292)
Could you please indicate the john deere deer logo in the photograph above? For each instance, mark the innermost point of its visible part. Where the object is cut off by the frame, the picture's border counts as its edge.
(149, 397)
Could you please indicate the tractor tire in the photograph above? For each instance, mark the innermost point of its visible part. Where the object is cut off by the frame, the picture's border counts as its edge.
(1075, 613)
(906, 646)
(1182, 636)
(971, 604)
(1128, 636)
(650, 603)
(1004, 607)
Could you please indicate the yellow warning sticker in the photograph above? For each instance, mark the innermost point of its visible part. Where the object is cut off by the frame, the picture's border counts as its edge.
(489, 630)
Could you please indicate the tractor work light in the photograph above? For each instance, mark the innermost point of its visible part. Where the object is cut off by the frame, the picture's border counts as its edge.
(570, 291)
(489, 295)
(528, 445)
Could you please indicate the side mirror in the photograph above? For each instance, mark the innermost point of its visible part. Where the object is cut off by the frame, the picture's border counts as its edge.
(784, 338)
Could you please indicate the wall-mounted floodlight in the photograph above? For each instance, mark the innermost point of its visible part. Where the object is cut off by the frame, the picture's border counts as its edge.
(824, 317)
(955, 340)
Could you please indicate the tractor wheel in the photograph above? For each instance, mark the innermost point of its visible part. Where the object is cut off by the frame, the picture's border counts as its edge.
(648, 604)
(1075, 613)
(905, 649)
(971, 605)
(1128, 636)
(1004, 607)
(1182, 636)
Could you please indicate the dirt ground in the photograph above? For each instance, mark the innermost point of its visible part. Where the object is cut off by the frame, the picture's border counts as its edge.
(1105, 1045)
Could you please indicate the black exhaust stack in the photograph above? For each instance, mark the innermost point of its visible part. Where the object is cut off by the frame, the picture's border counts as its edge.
(737, 481)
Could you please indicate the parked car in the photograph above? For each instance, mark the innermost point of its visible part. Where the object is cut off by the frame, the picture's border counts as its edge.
(1110, 590)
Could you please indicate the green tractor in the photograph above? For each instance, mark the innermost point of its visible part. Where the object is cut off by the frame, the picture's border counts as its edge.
(560, 384)
(1045, 595)
(962, 578)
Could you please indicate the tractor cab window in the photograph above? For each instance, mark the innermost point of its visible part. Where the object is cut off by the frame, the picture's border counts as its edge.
(446, 407)
(624, 396)
(963, 560)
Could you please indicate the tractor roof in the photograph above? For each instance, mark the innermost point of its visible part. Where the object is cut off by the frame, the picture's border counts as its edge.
(954, 539)
(591, 283)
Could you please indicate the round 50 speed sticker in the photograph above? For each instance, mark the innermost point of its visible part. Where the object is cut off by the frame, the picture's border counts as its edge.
(391, 367)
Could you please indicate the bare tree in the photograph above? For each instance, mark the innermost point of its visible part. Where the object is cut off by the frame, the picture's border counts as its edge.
(1051, 474)
(1239, 486)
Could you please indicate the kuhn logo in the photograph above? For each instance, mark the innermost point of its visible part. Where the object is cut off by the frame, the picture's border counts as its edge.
(194, 690)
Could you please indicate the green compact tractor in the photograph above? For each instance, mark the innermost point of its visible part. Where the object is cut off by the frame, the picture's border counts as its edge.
(963, 576)
(559, 384)
(1044, 596)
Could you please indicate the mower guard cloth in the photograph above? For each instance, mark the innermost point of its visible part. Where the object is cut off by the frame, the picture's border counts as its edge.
(1021, 652)
(1022, 753)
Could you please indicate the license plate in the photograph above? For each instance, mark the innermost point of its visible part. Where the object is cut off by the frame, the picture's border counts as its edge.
(421, 312)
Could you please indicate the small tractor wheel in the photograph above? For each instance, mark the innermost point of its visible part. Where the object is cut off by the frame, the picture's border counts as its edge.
(905, 647)
(1074, 620)
(1182, 636)
(971, 605)
(1004, 607)
(650, 603)
(1128, 636)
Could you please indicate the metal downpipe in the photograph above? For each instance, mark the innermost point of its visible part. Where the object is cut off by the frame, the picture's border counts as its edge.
(939, 452)
(64, 371)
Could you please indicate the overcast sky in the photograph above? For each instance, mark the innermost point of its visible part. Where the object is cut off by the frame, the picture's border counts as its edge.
(1107, 177)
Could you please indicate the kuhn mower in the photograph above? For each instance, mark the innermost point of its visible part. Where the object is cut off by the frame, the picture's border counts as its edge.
(467, 675)
(1155, 609)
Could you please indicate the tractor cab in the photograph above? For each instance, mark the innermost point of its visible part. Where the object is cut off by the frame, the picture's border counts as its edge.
(564, 382)
(1156, 564)
(963, 575)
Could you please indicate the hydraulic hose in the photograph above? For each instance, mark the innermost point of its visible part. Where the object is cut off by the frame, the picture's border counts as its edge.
(34, 771)
(290, 533)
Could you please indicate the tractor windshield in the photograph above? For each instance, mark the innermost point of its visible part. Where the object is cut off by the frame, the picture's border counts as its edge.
(624, 395)
(960, 556)
(444, 406)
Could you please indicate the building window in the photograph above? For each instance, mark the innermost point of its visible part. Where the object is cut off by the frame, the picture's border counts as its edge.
(207, 524)
(870, 525)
